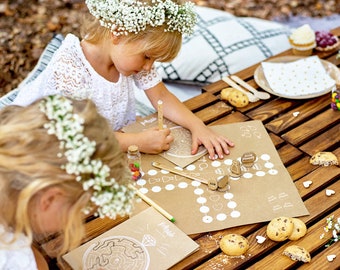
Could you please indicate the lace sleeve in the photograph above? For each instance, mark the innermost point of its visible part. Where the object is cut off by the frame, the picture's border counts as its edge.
(69, 74)
(66, 74)
(145, 80)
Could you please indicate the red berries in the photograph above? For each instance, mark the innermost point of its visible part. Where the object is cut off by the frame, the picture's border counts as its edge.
(325, 39)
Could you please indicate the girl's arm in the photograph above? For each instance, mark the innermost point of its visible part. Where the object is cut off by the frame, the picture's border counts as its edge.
(178, 113)
(151, 141)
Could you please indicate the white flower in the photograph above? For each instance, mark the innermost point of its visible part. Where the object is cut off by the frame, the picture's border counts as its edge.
(110, 197)
(131, 16)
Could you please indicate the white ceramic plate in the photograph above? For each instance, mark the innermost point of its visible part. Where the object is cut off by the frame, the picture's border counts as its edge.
(260, 79)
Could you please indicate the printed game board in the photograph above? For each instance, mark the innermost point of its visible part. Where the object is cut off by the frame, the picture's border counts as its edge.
(147, 241)
(263, 191)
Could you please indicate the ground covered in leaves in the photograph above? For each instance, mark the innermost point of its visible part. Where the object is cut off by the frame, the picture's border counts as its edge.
(26, 26)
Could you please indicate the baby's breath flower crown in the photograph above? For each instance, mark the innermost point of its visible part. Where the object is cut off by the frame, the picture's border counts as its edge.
(132, 16)
(111, 198)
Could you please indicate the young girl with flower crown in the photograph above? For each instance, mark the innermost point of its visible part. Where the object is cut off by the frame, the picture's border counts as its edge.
(45, 182)
(121, 41)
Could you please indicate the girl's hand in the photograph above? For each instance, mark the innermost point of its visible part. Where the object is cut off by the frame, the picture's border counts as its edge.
(155, 141)
(215, 144)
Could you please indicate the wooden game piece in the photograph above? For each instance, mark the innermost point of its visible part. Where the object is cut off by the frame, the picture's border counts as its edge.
(222, 181)
(235, 169)
(212, 184)
(248, 159)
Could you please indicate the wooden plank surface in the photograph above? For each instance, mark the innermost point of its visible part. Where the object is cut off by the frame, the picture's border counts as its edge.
(312, 127)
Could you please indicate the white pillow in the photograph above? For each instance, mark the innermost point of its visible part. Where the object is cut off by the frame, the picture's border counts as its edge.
(223, 44)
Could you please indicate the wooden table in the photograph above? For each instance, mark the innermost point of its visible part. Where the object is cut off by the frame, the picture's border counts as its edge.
(296, 139)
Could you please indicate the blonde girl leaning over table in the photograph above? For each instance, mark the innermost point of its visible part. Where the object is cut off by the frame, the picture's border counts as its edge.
(121, 41)
(58, 160)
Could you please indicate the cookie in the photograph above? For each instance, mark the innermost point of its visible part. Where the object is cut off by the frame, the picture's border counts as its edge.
(299, 229)
(297, 253)
(225, 93)
(324, 159)
(280, 228)
(234, 244)
(238, 99)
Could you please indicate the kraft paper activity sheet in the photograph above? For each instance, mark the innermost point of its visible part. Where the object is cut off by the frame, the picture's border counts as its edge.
(263, 191)
(147, 241)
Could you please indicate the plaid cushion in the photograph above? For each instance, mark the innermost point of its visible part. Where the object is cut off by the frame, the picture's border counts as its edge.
(223, 44)
(44, 59)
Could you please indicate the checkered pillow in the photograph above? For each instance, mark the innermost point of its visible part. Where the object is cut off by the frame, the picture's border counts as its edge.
(223, 44)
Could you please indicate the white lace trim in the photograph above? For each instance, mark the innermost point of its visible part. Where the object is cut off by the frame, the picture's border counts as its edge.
(18, 255)
(70, 74)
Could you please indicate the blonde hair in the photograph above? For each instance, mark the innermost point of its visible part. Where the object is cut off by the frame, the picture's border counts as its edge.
(163, 45)
(29, 164)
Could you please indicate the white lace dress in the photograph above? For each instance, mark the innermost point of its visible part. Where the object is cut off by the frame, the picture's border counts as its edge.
(17, 255)
(70, 74)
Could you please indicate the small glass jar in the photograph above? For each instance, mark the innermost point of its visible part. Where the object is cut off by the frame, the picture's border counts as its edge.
(134, 162)
(335, 101)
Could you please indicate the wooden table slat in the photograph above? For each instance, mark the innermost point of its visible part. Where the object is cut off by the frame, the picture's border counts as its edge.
(306, 110)
(214, 112)
(269, 247)
(289, 153)
(234, 117)
(327, 140)
(200, 101)
(272, 108)
(275, 260)
(314, 126)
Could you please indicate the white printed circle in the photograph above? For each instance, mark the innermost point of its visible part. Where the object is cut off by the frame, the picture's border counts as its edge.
(198, 191)
(144, 190)
(204, 209)
(195, 183)
(260, 173)
(164, 171)
(152, 172)
(191, 167)
(273, 172)
(156, 189)
(231, 204)
(170, 187)
(207, 219)
(265, 157)
(216, 163)
(221, 217)
(141, 182)
(247, 175)
(201, 200)
(228, 196)
(269, 165)
(235, 214)
(182, 185)
(228, 162)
